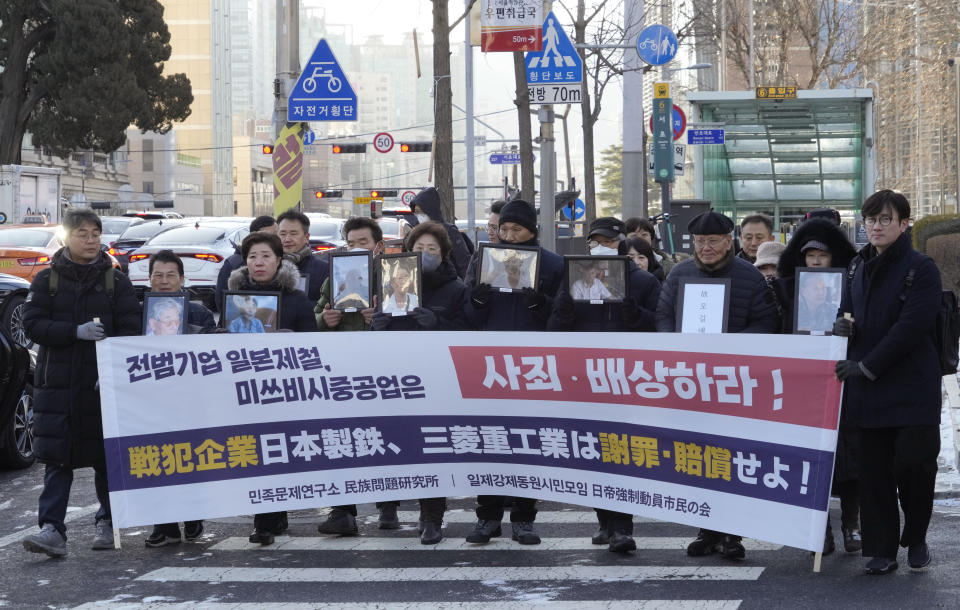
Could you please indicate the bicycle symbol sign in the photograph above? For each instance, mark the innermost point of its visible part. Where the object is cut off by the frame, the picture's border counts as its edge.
(323, 92)
(657, 44)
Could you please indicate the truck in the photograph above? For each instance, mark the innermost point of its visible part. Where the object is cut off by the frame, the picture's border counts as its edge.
(29, 194)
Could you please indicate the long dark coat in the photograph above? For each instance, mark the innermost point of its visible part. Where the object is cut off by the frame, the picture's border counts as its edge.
(446, 295)
(296, 310)
(642, 288)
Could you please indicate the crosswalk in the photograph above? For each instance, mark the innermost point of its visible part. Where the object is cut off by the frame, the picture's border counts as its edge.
(391, 570)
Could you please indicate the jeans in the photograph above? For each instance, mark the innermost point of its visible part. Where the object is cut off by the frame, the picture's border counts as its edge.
(57, 481)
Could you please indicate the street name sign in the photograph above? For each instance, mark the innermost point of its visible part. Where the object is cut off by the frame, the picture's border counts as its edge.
(511, 25)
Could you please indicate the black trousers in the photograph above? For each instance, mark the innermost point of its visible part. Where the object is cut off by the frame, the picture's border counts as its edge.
(274, 522)
(896, 462)
(57, 481)
(431, 509)
(490, 508)
(615, 522)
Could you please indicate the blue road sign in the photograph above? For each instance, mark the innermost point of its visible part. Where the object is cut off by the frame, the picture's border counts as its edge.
(579, 210)
(308, 137)
(554, 74)
(322, 92)
(705, 136)
(657, 44)
(506, 158)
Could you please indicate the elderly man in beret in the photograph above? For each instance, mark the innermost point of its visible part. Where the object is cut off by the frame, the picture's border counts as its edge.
(752, 310)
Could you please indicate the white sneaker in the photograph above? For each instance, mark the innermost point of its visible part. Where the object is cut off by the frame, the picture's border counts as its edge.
(48, 540)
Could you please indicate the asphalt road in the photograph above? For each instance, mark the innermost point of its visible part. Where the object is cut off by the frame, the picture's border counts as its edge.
(391, 570)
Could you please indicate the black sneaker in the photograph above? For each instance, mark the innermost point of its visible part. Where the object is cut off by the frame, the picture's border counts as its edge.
(339, 523)
(261, 537)
(732, 548)
(881, 565)
(192, 529)
(162, 535)
(431, 533)
(484, 531)
(852, 542)
(601, 537)
(706, 543)
(523, 532)
(918, 556)
(282, 525)
(621, 542)
(388, 517)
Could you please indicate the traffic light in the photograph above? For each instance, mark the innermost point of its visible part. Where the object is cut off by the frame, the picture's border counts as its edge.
(349, 147)
(416, 146)
(267, 149)
(328, 194)
(380, 194)
(319, 195)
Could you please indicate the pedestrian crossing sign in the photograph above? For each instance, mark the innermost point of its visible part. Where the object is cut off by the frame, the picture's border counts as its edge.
(555, 74)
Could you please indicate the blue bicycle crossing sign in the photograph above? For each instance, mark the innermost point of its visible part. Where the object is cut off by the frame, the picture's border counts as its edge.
(322, 93)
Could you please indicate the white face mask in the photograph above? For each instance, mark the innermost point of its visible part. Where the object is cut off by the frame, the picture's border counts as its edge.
(602, 251)
(423, 218)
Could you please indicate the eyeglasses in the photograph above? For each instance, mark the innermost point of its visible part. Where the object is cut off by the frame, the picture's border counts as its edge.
(883, 220)
(86, 236)
(164, 276)
(713, 242)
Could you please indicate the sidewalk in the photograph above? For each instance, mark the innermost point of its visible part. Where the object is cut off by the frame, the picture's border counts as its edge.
(948, 477)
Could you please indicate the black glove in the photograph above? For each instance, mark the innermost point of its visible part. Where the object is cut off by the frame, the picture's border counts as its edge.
(631, 312)
(843, 327)
(380, 321)
(480, 295)
(425, 317)
(533, 299)
(846, 369)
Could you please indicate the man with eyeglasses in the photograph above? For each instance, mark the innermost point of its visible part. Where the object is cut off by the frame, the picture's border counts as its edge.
(79, 300)
(893, 383)
(493, 222)
(752, 310)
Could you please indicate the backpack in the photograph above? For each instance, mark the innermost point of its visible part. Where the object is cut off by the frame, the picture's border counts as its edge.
(108, 283)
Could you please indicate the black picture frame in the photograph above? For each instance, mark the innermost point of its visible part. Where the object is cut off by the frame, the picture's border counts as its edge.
(819, 322)
(303, 284)
(683, 302)
(152, 301)
(492, 268)
(261, 320)
(387, 265)
(361, 295)
(617, 272)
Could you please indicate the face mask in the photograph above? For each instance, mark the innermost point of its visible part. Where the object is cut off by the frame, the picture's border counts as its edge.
(423, 218)
(602, 251)
(429, 262)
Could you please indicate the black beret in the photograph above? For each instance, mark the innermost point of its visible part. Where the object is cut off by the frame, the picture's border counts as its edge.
(710, 223)
(607, 226)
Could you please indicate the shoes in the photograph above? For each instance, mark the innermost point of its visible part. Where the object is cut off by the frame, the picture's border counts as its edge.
(388, 517)
(262, 537)
(621, 542)
(705, 544)
(918, 556)
(431, 533)
(103, 539)
(881, 565)
(283, 524)
(852, 543)
(732, 548)
(524, 534)
(339, 522)
(601, 537)
(48, 540)
(193, 529)
(162, 535)
(828, 544)
(484, 531)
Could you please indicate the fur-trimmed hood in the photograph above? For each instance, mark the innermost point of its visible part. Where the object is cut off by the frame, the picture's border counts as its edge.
(817, 229)
(286, 280)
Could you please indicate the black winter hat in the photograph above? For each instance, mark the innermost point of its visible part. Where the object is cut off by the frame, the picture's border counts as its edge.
(710, 223)
(520, 212)
(608, 226)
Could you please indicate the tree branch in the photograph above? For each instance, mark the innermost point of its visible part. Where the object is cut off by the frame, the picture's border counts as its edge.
(463, 16)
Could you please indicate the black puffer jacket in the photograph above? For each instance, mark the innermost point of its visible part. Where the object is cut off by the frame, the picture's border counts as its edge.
(509, 310)
(429, 201)
(643, 291)
(818, 229)
(66, 415)
(752, 309)
(443, 293)
(296, 310)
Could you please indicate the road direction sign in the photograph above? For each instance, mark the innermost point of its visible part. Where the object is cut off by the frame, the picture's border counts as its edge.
(407, 197)
(705, 135)
(555, 74)
(657, 44)
(308, 137)
(679, 122)
(506, 159)
(322, 93)
(511, 25)
(579, 210)
(383, 142)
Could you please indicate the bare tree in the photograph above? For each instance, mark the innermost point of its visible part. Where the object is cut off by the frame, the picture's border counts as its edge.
(522, 101)
(443, 108)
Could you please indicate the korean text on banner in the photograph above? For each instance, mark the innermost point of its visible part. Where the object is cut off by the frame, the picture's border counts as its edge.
(511, 25)
(736, 436)
(288, 168)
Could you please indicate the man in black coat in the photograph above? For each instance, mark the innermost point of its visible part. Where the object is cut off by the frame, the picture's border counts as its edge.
(79, 300)
(428, 206)
(293, 229)
(893, 383)
(233, 262)
(752, 310)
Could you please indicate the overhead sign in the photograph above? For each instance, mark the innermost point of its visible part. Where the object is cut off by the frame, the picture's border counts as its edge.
(657, 44)
(512, 158)
(679, 122)
(322, 93)
(776, 93)
(480, 141)
(383, 142)
(679, 158)
(703, 134)
(555, 74)
(511, 25)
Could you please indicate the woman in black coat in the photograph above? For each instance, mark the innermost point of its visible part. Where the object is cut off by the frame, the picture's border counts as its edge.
(643, 256)
(266, 271)
(444, 301)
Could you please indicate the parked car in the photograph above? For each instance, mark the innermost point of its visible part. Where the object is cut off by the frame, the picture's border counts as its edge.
(136, 236)
(153, 214)
(114, 226)
(326, 233)
(24, 251)
(13, 294)
(202, 246)
(16, 403)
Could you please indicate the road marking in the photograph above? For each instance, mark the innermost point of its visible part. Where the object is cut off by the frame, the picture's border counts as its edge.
(72, 515)
(619, 604)
(354, 543)
(511, 573)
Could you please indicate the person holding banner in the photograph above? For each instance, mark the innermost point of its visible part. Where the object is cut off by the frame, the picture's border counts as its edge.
(892, 379)
(79, 300)
(752, 310)
(528, 310)
(267, 271)
(636, 313)
(445, 298)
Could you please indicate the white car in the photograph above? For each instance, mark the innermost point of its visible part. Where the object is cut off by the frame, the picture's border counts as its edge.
(202, 246)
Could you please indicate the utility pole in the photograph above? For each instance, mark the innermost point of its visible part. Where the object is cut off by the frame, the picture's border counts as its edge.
(634, 157)
(288, 59)
(471, 168)
(548, 213)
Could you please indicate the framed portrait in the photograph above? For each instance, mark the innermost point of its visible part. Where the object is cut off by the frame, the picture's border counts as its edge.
(401, 283)
(509, 268)
(596, 279)
(164, 313)
(303, 284)
(817, 299)
(351, 288)
(703, 305)
(251, 311)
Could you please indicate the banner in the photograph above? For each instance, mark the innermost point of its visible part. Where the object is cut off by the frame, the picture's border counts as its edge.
(511, 25)
(288, 168)
(735, 433)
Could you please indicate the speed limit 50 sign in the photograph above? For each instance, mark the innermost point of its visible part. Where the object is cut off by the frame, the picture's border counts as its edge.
(383, 142)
